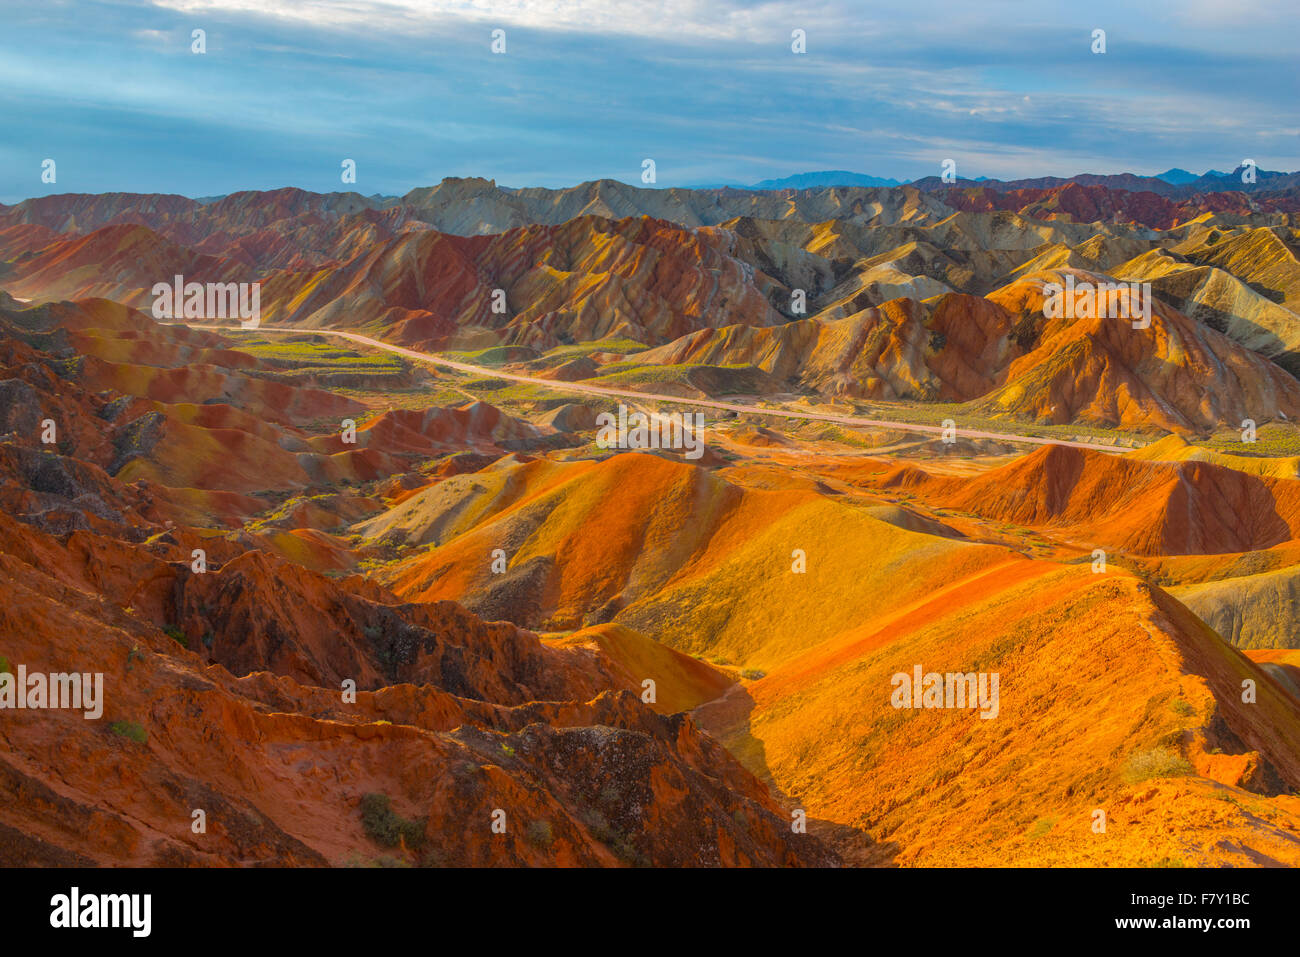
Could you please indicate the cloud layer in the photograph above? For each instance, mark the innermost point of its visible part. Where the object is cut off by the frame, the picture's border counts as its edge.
(709, 89)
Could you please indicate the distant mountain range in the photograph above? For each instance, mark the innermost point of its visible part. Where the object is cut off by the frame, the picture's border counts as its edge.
(834, 177)
(1172, 182)
(1175, 184)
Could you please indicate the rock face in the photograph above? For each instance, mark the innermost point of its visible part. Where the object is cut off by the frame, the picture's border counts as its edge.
(239, 709)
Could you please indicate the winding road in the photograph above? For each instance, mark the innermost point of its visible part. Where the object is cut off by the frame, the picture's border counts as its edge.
(584, 389)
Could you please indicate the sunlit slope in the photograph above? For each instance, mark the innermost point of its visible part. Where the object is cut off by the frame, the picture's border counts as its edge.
(1172, 448)
(1111, 696)
(1250, 611)
(1143, 508)
(670, 550)
(680, 681)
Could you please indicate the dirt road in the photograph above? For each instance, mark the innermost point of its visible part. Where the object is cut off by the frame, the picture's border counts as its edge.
(584, 389)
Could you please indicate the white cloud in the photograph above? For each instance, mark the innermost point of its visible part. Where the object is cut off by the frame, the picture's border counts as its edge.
(678, 19)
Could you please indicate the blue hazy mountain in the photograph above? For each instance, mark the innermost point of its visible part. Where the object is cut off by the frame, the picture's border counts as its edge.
(824, 178)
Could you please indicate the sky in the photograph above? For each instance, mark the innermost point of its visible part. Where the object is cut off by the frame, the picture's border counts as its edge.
(711, 90)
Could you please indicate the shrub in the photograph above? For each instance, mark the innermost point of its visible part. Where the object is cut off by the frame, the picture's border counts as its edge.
(385, 826)
(131, 730)
(1042, 827)
(599, 826)
(177, 635)
(1156, 763)
(627, 852)
(540, 834)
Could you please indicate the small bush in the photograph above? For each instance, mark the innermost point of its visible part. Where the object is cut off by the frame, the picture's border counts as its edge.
(627, 852)
(131, 730)
(599, 826)
(1156, 763)
(356, 860)
(385, 826)
(540, 834)
(1042, 827)
(177, 635)
(753, 674)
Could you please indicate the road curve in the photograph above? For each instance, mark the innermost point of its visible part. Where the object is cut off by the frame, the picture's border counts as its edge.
(580, 388)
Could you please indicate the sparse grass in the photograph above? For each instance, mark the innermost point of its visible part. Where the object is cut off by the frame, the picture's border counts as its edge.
(494, 355)
(731, 379)
(841, 436)
(1159, 762)
(967, 419)
(624, 346)
(1272, 440)
(318, 355)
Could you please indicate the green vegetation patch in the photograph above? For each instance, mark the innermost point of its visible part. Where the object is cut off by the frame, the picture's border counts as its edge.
(131, 730)
(385, 826)
(1156, 763)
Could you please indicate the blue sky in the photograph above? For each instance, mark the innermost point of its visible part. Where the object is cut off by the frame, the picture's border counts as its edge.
(709, 89)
